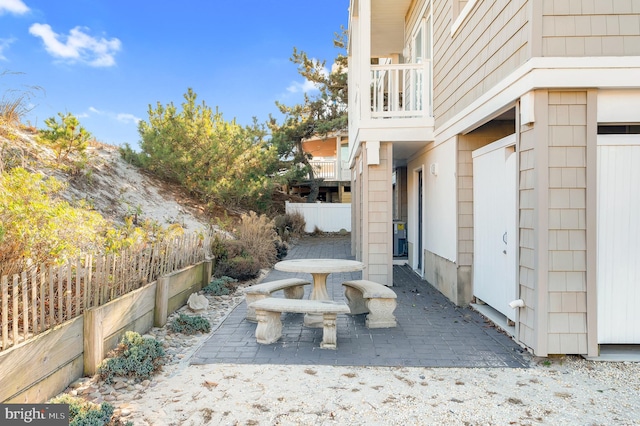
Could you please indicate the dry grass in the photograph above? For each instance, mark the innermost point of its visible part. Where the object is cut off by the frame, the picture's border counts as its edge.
(258, 237)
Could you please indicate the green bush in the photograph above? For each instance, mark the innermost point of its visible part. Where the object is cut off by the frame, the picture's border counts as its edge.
(86, 413)
(187, 324)
(239, 267)
(135, 356)
(220, 286)
(37, 226)
(65, 137)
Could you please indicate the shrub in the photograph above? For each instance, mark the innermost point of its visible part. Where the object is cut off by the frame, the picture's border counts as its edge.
(239, 267)
(66, 137)
(220, 286)
(187, 324)
(83, 412)
(281, 250)
(39, 227)
(135, 356)
(290, 225)
(257, 236)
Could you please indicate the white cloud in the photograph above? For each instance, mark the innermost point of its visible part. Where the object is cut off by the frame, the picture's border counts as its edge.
(77, 46)
(122, 117)
(128, 118)
(4, 43)
(305, 87)
(297, 87)
(13, 6)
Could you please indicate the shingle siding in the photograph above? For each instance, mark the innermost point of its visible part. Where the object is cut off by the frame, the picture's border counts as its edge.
(591, 28)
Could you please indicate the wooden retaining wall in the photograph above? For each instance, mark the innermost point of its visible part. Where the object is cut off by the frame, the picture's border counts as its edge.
(36, 370)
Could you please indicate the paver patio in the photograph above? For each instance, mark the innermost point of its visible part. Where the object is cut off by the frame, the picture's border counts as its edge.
(431, 331)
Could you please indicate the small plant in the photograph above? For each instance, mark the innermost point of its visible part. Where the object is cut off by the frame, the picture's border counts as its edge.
(130, 156)
(83, 412)
(317, 232)
(65, 137)
(220, 286)
(187, 324)
(135, 356)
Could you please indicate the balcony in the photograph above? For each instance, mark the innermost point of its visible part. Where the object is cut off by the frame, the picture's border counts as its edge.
(400, 91)
(329, 170)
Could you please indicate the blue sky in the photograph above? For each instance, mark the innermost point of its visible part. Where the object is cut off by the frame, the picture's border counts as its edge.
(105, 61)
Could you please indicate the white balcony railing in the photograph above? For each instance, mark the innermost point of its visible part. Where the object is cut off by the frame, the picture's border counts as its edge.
(329, 170)
(400, 90)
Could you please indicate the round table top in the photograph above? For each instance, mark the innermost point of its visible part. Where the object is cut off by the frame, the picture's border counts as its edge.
(319, 266)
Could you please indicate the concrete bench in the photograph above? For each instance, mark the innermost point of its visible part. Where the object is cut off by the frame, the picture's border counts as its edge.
(268, 312)
(378, 300)
(293, 289)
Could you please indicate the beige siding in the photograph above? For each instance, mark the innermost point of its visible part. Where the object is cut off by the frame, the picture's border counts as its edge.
(567, 250)
(591, 28)
(376, 217)
(490, 45)
(527, 227)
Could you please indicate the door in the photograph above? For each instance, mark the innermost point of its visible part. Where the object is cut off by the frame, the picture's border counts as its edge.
(494, 216)
(618, 218)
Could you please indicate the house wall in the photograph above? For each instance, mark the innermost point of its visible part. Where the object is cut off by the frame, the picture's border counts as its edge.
(491, 43)
(567, 234)
(321, 147)
(372, 207)
(557, 223)
(377, 229)
(439, 225)
(590, 28)
(529, 227)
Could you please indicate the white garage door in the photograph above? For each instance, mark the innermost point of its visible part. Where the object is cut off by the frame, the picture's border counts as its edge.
(618, 277)
(494, 216)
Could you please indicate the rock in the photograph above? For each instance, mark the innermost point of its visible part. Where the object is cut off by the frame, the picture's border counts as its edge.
(197, 302)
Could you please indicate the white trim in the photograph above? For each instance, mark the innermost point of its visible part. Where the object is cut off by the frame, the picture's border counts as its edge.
(619, 140)
(548, 73)
(618, 106)
(466, 10)
(509, 140)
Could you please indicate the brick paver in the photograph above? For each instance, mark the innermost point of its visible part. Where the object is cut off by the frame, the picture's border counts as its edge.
(431, 331)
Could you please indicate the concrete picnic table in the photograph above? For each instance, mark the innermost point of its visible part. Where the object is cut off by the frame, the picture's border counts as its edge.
(319, 269)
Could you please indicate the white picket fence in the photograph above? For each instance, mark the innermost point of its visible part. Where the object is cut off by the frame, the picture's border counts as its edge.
(327, 217)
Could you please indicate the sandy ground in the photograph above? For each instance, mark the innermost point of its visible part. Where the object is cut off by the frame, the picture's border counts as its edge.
(568, 391)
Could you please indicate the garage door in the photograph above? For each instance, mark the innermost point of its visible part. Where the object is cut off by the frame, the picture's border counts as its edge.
(618, 276)
(494, 216)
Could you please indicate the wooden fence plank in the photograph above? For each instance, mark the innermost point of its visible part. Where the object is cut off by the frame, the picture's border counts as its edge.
(15, 313)
(25, 304)
(5, 312)
(69, 290)
(78, 296)
(87, 281)
(60, 294)
(34, 301)
(52, 309)
(43, 287)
